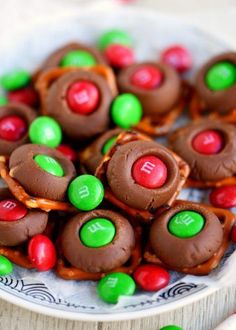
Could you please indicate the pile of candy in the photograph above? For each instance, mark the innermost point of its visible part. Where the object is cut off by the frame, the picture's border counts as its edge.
(89, 193)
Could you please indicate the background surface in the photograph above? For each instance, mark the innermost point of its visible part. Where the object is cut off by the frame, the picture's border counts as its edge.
(218, 17)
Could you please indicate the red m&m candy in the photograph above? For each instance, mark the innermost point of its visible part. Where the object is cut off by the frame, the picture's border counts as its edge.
(42, 252)
(12, 210)
(119, 56)
(151, 277)
(25, 95)
(224, 197)
(12, 128)
(67, 151)
(208, 142)
(178, 57)
(149, 172)
(147, 77)
(83, 97)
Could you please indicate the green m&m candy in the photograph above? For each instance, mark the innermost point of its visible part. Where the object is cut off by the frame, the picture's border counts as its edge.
(78, 58)
(186, 224)
(6, 266)
(108, 145)
(86, 192)
(45, 130)
(221, 76)
(15, 80)
(171, 327)
(97, 232)
(126, 110)
(114, 37)
(111, 287)
(49, 165)
(3, 100)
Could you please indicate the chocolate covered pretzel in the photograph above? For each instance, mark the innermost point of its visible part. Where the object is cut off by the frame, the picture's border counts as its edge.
(51, 173)
(209, 147)
(78, 98)
(190, 237)
(215, 88)
(93, 258)
(92, 155)
(141, 175)
(160, 91)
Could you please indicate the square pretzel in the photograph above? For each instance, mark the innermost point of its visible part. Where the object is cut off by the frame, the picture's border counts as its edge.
(46, 79)
(69, 272)
(22, 196)
(143, 215)
(227, 219)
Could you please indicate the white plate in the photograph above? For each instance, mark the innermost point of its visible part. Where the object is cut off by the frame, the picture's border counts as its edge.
(43, 292)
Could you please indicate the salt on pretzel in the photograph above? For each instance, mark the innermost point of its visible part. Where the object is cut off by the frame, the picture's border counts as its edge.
(227, 219)
(69, 272)
(122, 139)
(46, 79)
(21, 195)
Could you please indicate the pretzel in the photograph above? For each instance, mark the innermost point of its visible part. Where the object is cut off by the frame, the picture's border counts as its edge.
(122, 139)
(21, 195)
(192, 183)
(197, 110)
(16, 255)
(46, 79)
(162, 123)
(227, 219)
(69, 272)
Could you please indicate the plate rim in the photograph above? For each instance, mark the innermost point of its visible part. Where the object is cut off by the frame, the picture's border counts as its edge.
(130, 315)
(106, 317)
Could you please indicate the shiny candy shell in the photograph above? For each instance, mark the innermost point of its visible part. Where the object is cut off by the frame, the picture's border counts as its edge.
(147, 77)
(114, 36)
(15, 79)
(126, 110)
(12, 210)
(42, 252)
(178, 57)
(119, 56)
(86, 192)
(149, 172)
(208, 142)
(151, 277)
(6, 266)
(83, 97)
(46, 131)
(221, 76)
(67, 151)
(26, 95)
(111, 287)
(3, 100)
(12, 128)
(224, 197)
(78, 58)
